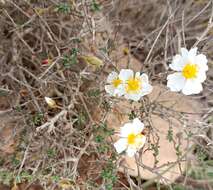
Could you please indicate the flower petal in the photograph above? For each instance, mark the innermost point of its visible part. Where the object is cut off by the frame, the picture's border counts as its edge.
(120, 90)
(144, 78)
(193, 52)
(138, 126)
(192, 87)
(201, 77)
(114, 91)
(126, 130)
(146, 89)
(120, 145)
(112, 76)
(131, 152)
(110, 89)
(175, 82)
(140, 142)
(201, 61)
(125, 74)
(137, 74)
(134, 97)
(184, 52)
(177, 63)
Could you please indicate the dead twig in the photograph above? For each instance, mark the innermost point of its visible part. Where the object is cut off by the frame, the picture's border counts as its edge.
(51, 124)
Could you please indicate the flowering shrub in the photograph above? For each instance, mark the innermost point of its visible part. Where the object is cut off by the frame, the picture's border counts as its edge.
(190, 72)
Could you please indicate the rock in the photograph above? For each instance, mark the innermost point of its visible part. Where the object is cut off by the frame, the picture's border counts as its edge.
(7, 141)
(8, 133)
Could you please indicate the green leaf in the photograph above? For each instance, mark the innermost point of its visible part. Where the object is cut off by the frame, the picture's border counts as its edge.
(95, 6)
(170, 135)
(63, 8)
(71, 59)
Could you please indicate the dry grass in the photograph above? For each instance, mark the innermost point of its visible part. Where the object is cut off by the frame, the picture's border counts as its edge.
(67, 142)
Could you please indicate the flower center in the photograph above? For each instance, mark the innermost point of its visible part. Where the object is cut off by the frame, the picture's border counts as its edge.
(133, 85)
(116, 82)
(190, 71)
(132, 139)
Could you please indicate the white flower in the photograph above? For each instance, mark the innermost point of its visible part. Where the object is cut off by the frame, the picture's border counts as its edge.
(131, 138)
(134, 86)
(114, 85)
(191, 72)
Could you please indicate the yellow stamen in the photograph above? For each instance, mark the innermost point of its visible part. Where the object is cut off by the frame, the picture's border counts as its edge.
(116, 82)
(132, 139)
(133, 85)
(190, 71)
